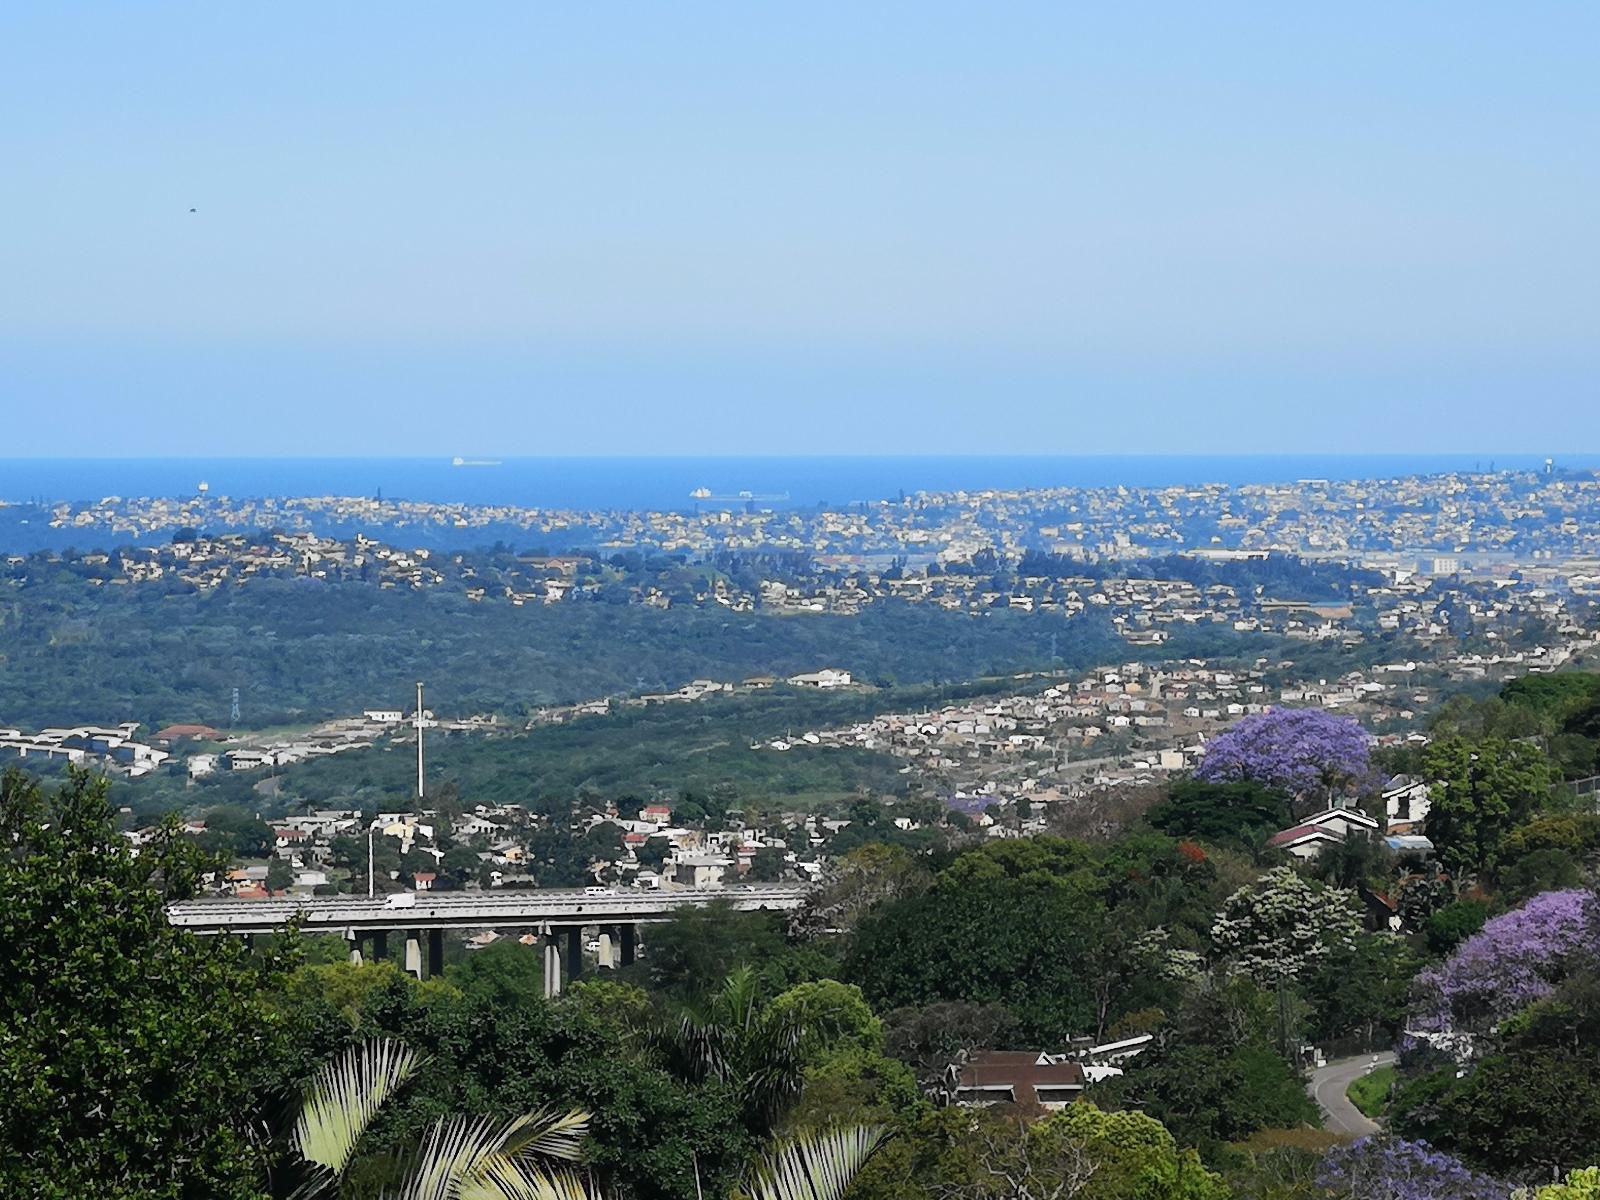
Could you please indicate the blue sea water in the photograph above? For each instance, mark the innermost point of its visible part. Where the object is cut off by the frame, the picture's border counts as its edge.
(667, 483)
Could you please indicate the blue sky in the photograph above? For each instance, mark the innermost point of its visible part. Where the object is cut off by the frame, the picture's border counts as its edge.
(818, 228)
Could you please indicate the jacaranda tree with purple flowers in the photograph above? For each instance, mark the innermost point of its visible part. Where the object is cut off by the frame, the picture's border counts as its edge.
(1394, 1169)
(1300, 750)
(1514, 960)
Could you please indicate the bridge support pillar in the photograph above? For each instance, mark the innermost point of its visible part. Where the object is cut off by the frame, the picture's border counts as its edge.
(354, 938)
(606, 960)
(574, 952)
(414, 952)
(630, 938)
(380, 944)
(552, 962)
(435, 953)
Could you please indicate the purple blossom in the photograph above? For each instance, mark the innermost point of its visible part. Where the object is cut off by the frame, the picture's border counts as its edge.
(1514, 960)
(1394, 1169)
(1296, 749)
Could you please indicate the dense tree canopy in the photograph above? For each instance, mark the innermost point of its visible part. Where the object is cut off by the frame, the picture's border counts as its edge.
(124, 1043)
(1480, 792)
(1010, 924)
(1242, 814)
(1082, 1153)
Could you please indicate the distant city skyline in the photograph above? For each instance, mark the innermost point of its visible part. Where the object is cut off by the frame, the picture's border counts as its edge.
(831, 230)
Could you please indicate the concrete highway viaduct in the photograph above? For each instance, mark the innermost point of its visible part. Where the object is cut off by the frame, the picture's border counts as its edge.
(558, 916)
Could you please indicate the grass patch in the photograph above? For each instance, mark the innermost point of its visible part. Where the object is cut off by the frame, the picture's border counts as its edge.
(1370, 1093)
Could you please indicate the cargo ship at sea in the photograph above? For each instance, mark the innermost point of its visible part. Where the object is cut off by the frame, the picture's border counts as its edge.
(744, 497)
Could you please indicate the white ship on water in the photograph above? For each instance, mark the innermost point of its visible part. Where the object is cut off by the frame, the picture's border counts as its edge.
(705, 493)
(458, 461)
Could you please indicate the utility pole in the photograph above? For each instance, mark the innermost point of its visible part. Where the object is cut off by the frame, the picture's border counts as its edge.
(420, 723)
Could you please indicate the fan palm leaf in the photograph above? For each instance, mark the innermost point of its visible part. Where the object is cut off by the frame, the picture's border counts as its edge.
(815, 1166)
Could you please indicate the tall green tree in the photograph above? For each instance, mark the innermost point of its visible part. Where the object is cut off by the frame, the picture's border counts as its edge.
(1241, 814)
(1481, 790)
(758, 1048)
(1361, 987)
(126, 1046)
(703, 945)
(1010, 924)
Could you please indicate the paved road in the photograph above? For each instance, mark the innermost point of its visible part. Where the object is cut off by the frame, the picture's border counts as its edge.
(1328, 1087)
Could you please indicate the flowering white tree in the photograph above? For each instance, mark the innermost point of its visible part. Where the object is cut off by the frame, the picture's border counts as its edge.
(1283, 924)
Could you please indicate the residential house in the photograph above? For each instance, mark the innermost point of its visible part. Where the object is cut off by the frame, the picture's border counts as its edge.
(1406, 802)
(828, 677)
(1328, 828)
(700, 871)
(1023, 1077)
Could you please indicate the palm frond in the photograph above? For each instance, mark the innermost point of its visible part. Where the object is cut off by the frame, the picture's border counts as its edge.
(344, 1097)
(547, 1134)
(738, 1003)
(701, 1046)
(816, 1166)
(483, 1158)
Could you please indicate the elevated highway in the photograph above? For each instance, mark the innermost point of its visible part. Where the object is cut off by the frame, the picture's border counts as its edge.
(557, 915)
(471, 910)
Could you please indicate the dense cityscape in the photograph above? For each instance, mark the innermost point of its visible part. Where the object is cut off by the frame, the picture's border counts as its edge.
(1490, 517)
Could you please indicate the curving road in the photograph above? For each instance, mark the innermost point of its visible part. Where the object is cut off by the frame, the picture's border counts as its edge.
(1329, 1085)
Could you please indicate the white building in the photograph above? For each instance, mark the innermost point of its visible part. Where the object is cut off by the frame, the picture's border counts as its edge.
(1406, 803)
(700, 871)
(828, 677)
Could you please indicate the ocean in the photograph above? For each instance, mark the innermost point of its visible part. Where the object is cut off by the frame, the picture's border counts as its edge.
(669, 483)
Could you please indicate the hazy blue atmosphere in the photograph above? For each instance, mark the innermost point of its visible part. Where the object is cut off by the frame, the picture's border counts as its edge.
(832, 228)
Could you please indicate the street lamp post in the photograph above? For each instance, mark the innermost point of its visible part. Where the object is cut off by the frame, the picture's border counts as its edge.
(371, 829)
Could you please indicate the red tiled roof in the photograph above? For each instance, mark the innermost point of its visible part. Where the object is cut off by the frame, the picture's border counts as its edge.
(1301, 831)
(1021, 1071)
(175, 732)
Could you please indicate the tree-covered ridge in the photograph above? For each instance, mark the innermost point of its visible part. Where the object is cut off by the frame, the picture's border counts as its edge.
(303, 650)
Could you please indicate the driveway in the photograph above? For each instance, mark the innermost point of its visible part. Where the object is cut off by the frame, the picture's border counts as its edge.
(1328, 1087)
